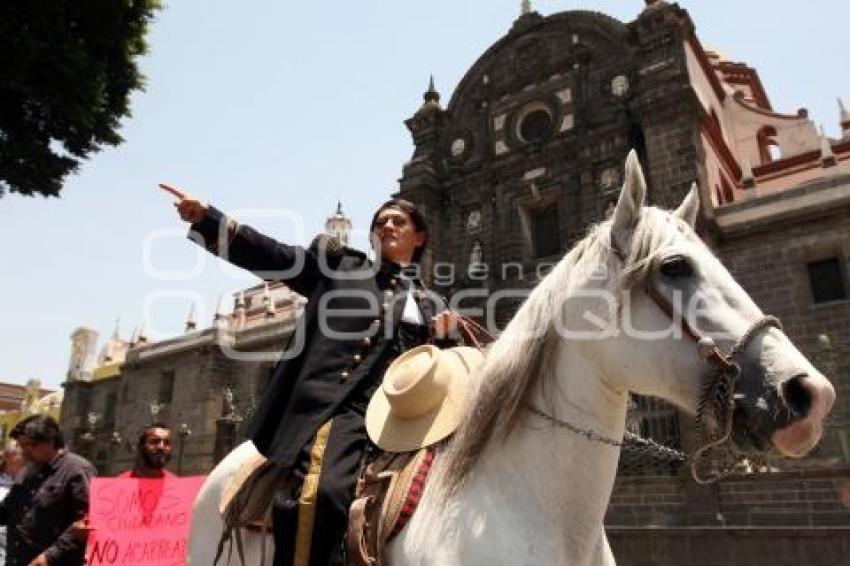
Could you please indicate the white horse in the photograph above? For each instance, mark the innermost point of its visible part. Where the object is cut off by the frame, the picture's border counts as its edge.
(528, 476)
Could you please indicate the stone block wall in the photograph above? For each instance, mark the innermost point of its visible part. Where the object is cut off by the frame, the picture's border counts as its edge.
(816, 498)
(713, 546)
(810, 498)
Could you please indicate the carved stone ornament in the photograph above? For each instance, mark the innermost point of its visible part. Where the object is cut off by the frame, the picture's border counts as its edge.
(499, 122)
(477, 255)
(619, 86)
(609, 178)
(473, 221)
(92, 418)
(565, 95)
(229, 402)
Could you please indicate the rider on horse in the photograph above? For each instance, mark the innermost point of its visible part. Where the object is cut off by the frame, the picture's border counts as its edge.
(359, 317)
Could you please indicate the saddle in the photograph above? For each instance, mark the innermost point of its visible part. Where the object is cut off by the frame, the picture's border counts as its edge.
(246, 498)
(386, 496)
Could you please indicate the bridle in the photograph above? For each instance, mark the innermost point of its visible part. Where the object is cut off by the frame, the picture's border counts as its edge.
(719, 394)
(717, 400)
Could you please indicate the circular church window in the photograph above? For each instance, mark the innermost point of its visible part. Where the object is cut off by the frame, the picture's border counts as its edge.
(536, 125)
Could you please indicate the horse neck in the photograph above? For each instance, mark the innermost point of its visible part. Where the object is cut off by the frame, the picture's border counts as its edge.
(552, 476)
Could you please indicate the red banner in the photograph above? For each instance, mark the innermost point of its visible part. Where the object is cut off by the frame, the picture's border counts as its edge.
(140, 521)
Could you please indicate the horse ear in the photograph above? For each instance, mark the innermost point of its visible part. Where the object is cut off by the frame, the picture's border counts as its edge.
(689, 208)
(628, 209)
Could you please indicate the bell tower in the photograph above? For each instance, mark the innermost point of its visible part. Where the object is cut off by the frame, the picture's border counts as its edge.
(338, 225)
(83, 354)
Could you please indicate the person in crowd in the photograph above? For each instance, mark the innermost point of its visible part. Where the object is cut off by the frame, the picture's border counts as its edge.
(10, 469)
(153, 452)
(13, 463)
(43, 504)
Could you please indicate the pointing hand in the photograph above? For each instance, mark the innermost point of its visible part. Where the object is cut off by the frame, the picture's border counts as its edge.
(190, 208)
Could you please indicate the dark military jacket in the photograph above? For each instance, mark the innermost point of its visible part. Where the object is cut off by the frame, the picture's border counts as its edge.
(342, 344)
(40, 508)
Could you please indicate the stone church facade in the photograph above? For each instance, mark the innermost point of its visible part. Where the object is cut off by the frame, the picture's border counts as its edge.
(529, 151)
(524, 156)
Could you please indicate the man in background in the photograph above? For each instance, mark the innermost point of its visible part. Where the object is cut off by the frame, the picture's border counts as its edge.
(10, 469)
(153, 452)
(13, 463)
(43, 505)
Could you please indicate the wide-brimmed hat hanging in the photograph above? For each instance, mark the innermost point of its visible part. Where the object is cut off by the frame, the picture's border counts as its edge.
(422, 397)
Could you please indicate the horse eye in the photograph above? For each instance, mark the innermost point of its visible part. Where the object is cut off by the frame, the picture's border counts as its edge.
(677, 266)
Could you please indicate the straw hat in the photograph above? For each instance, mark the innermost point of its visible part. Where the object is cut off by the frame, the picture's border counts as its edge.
(422, 397)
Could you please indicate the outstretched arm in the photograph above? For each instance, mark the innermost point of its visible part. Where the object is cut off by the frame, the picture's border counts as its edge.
(245, 247)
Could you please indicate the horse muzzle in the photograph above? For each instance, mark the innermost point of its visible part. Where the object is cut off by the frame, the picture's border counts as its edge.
(808, 400)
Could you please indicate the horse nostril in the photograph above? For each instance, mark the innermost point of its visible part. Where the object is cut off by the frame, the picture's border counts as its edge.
(797, 396)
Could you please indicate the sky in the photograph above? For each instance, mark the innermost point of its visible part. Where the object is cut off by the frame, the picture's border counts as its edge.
(276, 110)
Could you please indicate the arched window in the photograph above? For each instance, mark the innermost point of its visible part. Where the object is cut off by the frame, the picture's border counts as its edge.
(726, 190)
(769, 150)
(547, 241)
(775, 151)
(723, 192)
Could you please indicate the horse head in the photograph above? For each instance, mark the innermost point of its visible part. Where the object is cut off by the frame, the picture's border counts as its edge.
(705, 344)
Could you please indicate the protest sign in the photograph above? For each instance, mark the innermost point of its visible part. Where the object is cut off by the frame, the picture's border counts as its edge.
(140, 522)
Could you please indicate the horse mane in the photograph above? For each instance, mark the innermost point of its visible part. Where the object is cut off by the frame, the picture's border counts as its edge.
(523, 356)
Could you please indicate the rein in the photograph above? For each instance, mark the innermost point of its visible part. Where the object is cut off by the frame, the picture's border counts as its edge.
(471, 331)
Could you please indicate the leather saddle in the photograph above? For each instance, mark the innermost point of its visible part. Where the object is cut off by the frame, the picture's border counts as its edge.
(386, 496)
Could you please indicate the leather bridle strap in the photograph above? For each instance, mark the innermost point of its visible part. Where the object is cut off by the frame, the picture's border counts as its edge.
(728, 370)
(706, 346)
(667, 308)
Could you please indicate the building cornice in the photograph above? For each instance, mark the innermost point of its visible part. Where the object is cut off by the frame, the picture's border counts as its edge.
(815, 199)
(244, 340)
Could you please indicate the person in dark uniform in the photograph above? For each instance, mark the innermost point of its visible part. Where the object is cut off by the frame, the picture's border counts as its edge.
(359, 317)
